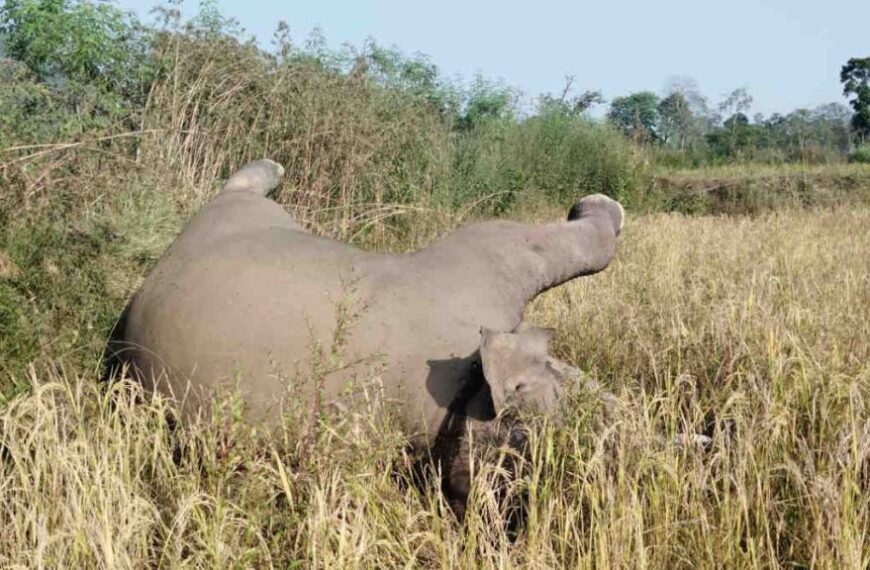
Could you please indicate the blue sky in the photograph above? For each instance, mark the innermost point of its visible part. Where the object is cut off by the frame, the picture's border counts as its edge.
(786, 52)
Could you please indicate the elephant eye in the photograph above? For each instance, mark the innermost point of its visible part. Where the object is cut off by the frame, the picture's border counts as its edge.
(521, 387)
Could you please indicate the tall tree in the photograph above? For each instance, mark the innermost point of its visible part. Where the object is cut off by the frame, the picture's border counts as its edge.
(486, 101)
(691, 92)
(566, 104)
(736, 104)
(855, 77)
(636, 115)
(704, 118)
(675, 120)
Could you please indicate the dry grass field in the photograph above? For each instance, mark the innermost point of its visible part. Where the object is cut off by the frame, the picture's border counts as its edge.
(738, 307)
(752, 330)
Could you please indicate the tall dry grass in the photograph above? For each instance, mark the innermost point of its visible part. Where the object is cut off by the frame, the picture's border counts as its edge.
(756, 188)
(752, 330)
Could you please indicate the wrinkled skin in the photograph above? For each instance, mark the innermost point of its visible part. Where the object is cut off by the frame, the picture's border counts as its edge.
(245, 297)
(519, 370)
(519, 377)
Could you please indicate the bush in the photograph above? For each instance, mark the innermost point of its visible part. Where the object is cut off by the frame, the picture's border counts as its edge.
(106, 154)
(557, 156)
(861, 155)
(78, 42)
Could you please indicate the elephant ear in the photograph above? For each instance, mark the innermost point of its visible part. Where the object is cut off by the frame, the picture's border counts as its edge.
(515, 365)
(535, 338)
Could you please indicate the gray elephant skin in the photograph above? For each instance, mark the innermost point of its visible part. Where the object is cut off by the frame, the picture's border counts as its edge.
(245, 296)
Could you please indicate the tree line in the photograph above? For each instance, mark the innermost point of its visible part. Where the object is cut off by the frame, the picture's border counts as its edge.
(683, 122)
(70, 66)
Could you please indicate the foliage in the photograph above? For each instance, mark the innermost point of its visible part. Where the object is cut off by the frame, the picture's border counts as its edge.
(485, 101)
(550, 156)
(103, 159)
(686, 132)
(737, 102)
(675, 120)
(861, 154)
(567, 104)
(55, 296)
(819, 135)
(71, 44)
(414, 76)
(569, 157)
(73, 69)
(855, 77)
(636, 115)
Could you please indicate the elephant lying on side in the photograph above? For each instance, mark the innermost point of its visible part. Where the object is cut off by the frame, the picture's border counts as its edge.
(246, 297)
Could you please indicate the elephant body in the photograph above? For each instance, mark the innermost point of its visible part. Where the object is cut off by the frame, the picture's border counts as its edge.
(246, 297)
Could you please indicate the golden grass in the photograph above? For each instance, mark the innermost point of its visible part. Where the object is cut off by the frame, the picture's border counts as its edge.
(761, 170)
(753, 330)
(759, 188)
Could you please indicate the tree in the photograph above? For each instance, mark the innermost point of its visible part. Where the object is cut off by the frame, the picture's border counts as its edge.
(736, 104)
(704, 119)
(698, 103)
(832, 125)
(413, 75)
(566, 105)
(737, 138)
(72, 66)
(485, 101)
(74, 41)
(738, 101)
(675, 120)
(636, 115)
(855, 77)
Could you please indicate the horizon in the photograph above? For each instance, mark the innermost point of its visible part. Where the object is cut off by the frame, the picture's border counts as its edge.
(774, 42)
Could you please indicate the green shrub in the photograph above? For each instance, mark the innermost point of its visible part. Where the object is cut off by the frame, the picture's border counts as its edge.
(54, 302)
(78, 42)
(861, 154)
(557, 156)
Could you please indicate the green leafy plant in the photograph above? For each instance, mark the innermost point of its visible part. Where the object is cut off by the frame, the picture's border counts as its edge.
(855, 77)
(860, 155)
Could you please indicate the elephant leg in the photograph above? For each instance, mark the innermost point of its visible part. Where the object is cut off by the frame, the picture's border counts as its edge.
(259, 177)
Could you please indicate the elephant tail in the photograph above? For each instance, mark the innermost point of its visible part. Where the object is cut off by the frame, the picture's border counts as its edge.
(259, 177)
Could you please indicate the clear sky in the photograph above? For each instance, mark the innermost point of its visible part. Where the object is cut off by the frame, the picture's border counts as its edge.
(788, 53)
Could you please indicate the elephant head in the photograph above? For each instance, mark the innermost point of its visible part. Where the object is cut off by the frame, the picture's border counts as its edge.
(519, 371)
(520, 376)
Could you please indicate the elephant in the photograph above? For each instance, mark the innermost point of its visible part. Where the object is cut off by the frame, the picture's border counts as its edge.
(518, 376)
(245, 296)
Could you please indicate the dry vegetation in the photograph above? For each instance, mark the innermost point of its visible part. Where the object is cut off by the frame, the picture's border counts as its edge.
(752, 330)
(739, 189)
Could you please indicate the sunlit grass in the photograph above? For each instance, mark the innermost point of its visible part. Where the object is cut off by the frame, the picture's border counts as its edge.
(753, 331)
(761, 170)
